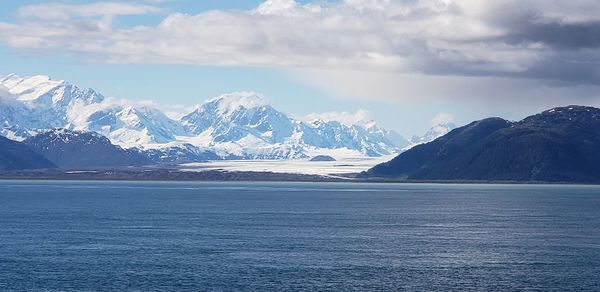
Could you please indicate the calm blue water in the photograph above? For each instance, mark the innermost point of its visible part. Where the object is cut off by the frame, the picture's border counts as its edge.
(98, 236)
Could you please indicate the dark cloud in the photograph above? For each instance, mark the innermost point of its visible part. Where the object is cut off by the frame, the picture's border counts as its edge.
(568, 67)
(558, 35)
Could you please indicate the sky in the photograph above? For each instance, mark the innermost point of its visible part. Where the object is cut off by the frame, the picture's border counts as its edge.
(404, 63)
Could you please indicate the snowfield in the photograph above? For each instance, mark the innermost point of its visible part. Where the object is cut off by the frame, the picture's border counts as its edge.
(325, 168)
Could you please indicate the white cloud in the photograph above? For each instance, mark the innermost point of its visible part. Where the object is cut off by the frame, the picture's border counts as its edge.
(361, 117)
(158, 1)
(368, 4)
(412, 89)
(62, 11)
(411, 36)
(5, 94)
(400, 50)
(279, 7)
(175, 111)
(442, 119)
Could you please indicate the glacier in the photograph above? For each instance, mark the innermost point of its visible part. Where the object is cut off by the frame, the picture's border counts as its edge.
(239, 125)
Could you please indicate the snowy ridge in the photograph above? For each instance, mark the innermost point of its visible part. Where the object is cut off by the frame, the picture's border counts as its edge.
(433, 133)
(239, 125)
(66, 136)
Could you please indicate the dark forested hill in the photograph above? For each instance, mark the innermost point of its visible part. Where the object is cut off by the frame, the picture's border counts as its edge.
(558, 145)
(16, 156)
(74, 149)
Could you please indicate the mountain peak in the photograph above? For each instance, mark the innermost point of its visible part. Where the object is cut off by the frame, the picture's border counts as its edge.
(7, 77)
(41, 89)
(231, 101)
(564, 118)
(433, 133)
(30, 88)
(571, 110)
(34, 80)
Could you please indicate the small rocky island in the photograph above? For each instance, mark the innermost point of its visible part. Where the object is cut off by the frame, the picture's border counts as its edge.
(322, 158)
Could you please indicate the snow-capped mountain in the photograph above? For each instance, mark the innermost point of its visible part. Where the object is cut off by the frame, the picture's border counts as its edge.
(433, 133)
(38, 103)
(244, 124)
(14, 116)
(45, 101)
(125, 124)
(239, 125)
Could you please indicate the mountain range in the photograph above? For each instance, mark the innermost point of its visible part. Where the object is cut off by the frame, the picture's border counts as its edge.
(53, 124)
(239, 125)
(557, 145)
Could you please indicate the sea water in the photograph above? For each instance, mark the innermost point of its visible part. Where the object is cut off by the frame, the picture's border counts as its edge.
(172, 236)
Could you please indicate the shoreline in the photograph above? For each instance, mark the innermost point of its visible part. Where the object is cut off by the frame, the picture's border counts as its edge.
(173, 175)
